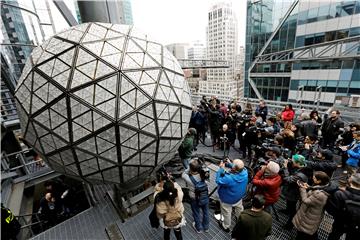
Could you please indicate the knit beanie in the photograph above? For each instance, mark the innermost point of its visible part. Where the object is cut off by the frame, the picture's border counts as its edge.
(273, 167)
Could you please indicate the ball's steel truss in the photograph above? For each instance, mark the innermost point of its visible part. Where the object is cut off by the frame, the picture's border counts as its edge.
(103, 102)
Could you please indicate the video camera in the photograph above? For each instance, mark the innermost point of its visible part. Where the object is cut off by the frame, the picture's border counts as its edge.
(204, 171)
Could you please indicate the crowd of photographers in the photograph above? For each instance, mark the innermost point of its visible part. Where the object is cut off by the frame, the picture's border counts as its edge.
(293, 155)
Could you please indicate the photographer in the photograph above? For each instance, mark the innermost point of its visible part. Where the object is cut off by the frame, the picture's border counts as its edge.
(262, 109)
(292, 173)
(353, 151)
(186, 147)
(273, 153)
(198, 199)
(249, 138)
(331, 129)
(231, 189)
(309, 127)
(307, 147)
(347, 138)
(323, 161)
(227, 138)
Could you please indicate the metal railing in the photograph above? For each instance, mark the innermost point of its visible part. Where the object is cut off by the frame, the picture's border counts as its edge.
(28, 222)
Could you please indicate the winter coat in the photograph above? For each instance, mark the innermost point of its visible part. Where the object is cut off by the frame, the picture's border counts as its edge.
(311, 211)
(327, 166)
(189, 183)
(290, 188)
(186, 147)
(262, 111)
(287, 115)
(331, 128)
(231, 185)
(269, 186)
(309, 128)
(252, 225)
(164, 207)
(354, 155)
(339, 201)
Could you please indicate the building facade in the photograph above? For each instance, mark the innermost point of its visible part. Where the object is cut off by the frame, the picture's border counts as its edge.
(197, 51)
(179, 50)
(221, 44)
(312, 53)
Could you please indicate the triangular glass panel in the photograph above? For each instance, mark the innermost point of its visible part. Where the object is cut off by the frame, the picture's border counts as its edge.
(77, 108)
(44, 57)
(103, 69)
(60, 107)
(46, 67)
(39, 81)
(63, 131)
(109, 49)
(178, 81)
(23, 95)
(79, 131)
(67, 156)
(160, 94)
(88, 69)
(130, 63)
(35, 54)
(56, 46)
(178, 68)
(56, 119)
(103, 145)
(126, 152)
(108, 107)
(53, 93)
(36, 103)
(149, 62)
(59, 67)
(108, 135)
(87, 94)
(84, 57)
(110, 154)
(72, 35)
(176, 130)
(154, 74)
(140, 99)
(58, 142)
(67, 57)
(178, 92)
(144, 140)
(129, 173)
(79, 78)
(146, 79)
(96, 177)
(135, 76)
(125, 86)
(170, 77)
(48, 143)
(140, 42)
(126, 133)
(162, 124)
(95, 47)
(105, 25)
(113, 34)
(102, 95)
(162, 111)
(129, 97)
(154, 48)
(63, 78)
(112, 175)
(149, 89)
(150, 128)
(121, 28)
(131, 120)
(118, 43)
(164, 145)
(44, 118)
(132, 142)
(164, 80)
(124, 108)
(99, 121)
(103, 164)
(185, 99)
(98, 30)
(144, 120)
(133, 48)
(172, 97)
(134, 160)
(90, 38)
(166, 132)
(151, 149)
(172, 110)
(147, 159)
(84, 121)
(30, 135)
(83, 156)
(113, 59)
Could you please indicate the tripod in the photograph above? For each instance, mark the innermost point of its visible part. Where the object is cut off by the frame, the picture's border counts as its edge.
(223, 141)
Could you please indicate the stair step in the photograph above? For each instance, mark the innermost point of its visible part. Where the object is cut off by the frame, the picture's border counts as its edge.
(113, 232)
(16, 198)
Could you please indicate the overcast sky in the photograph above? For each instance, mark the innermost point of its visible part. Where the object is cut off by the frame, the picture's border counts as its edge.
(176, 21)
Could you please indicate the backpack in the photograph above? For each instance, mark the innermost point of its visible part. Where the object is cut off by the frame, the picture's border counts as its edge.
(201, 191)
(352, 213)
(172, 219)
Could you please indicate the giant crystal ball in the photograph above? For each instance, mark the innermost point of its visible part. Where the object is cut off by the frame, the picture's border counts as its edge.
(103, 102)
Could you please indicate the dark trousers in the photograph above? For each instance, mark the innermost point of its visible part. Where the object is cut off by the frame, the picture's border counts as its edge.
(337, 230)
(305, 236)
(177, 232)
(291, 207)
(201, 223)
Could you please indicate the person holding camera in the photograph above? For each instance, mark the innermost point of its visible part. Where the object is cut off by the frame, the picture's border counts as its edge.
(231, 189)
(347, 139)
(323, 161)
(195, 179)
(254, 223)
(267, 182)
(169, 208)
(262, 110)
(353, 152)
(186, 147)
(313, 199)
(292, 173)
(347, 211)
(227, 138)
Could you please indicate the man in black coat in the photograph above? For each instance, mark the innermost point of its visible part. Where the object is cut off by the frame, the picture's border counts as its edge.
(254, 223)
(341, 223)
(323, 162)
(331, 129)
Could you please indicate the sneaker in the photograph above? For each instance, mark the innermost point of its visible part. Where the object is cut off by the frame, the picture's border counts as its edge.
(207, 230)
(219, 217)
(193, 224)
(227, 230)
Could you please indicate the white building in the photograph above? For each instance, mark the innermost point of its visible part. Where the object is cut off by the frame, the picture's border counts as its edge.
(239, 71)
(179, 50)
(221, 40)
(197, 50)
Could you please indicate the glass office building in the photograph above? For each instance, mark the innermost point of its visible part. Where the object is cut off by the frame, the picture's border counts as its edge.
(312, 55)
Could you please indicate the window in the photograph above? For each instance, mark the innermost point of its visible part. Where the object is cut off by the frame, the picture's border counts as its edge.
(330, 36)
(354, 31)
(348, 64)
(319, 38)
(309, 40)
(312, 15)
(324, 12)
(302, 17)
(342, 34)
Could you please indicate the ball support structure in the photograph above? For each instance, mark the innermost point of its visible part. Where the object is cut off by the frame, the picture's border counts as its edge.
(103, 102)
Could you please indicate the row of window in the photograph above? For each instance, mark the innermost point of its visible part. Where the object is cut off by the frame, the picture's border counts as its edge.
(218, 13)
(264, 68)
(339, 9)
(310, 39)
(352, 87)
(335, 64)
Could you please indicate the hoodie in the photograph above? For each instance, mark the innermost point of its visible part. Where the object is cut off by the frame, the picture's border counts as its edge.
(231, 185)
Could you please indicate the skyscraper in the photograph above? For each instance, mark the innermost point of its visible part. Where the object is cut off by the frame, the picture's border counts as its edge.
(221, 43)
(304, 51)
(197, 51)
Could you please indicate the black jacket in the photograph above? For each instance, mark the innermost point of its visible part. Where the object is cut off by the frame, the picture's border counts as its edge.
(290, 188)
(331, 128)
(339, 201)
(327, 166)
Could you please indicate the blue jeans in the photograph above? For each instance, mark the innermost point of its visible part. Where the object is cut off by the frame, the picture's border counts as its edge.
(197, 217)
(185, 162)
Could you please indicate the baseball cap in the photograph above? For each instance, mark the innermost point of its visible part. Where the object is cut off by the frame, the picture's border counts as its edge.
(299, 159)
(276, 150)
